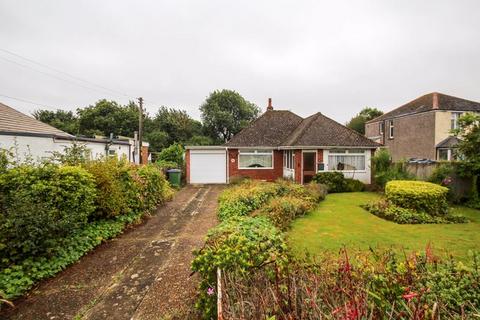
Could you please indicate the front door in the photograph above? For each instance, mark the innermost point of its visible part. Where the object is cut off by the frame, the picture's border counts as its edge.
(308, 166)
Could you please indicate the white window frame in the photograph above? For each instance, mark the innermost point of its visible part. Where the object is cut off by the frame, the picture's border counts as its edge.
(289, 159)
(345, 153)
(251, 152)
(391, 127)
(381, 127)
(454, 120)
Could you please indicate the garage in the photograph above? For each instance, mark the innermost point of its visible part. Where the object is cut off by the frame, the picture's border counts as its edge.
(206, 165)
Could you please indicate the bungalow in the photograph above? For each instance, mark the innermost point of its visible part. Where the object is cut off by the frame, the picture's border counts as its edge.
(29, 138)
(282, 144)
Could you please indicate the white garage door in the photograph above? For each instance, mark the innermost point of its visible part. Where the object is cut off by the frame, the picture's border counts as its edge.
(208, 166)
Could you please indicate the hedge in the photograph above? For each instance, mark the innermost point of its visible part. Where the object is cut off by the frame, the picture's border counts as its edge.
(40, 206)
(336, 182)
(418, 195)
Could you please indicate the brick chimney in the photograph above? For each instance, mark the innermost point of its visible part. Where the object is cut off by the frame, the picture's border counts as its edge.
(269, 107)
(435, 101)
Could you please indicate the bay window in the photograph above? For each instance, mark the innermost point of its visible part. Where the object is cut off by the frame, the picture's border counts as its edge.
(346, 159)
(255, 159)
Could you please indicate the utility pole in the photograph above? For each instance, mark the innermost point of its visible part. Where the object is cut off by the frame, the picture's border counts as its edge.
(140, 129)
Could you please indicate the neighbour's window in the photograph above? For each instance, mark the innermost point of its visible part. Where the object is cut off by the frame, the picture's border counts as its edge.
(251, 159)
(288, 159)
(391, 129)
(454, 120)
(111, 152)
(348, 160)
(443, 154)
(381, 128)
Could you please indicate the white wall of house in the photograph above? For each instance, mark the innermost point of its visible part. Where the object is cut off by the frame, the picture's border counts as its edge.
(363, 175)
(40, 148)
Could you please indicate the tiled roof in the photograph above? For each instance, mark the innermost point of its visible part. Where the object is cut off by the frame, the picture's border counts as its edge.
(286, 129)
(14, 121)
(449, 142)
(430, 102)
(271, 129)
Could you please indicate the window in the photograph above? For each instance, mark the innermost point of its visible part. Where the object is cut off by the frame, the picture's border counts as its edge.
(454, 120)
(390, 129)
(255, 159)
(346, 160)
(381, 128)
(443, 154)
(288, 159)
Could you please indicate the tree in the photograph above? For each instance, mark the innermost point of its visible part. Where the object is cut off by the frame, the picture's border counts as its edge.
(157, 139)
(176, 124)
(107, 117)
(357, 123)
(468, 133)
(224, 113)
(64, 120)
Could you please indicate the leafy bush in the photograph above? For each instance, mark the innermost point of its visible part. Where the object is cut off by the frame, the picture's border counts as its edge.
(283, 210)
(336, 182)
(418, 195)
(385, 170)
(240, 244)
(172, 154)
(154, 188)
(40, 206)
(244, 198)
(166, 165)
(384, 210)
(353, 185)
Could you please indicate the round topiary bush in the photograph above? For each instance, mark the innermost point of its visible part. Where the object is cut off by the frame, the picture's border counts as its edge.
(418, 195)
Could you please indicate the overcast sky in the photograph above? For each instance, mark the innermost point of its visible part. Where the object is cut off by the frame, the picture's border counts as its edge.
(330, 56)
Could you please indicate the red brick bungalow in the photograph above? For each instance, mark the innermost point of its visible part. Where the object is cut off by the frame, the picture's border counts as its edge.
(282, 144)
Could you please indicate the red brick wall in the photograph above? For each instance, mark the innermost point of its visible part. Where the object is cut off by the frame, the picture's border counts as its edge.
(298, 166)
(259, 174)
(187, 166)
(319, 155)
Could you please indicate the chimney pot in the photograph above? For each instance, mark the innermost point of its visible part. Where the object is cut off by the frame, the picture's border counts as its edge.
(269, 107)
(435, 101)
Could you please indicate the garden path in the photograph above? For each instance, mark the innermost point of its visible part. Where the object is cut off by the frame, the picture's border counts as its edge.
(142, 274)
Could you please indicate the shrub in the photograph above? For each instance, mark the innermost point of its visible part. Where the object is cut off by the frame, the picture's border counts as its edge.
(334, 180)
(353, 185)
(244, 198)
(385, 170)
(283, 210)
(240, 244)
(418, 195)
(154, 188)
(40, 206)
(172, 154)
(111, 181)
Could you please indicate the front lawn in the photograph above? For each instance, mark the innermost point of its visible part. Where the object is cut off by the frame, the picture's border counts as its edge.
(339, 221)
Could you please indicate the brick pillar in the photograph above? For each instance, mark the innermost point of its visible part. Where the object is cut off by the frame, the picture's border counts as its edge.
(298, 166)
(187, 165)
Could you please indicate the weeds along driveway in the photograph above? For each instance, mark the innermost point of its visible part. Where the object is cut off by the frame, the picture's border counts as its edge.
(143, 274)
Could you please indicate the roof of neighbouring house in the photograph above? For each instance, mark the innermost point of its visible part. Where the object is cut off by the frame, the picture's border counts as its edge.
(15, 122)
(428, 102)
(280, 128)
(449, 142)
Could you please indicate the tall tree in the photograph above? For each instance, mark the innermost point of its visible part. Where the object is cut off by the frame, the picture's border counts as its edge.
(357, 123)
(225, 113)
(107, 117)
(64, 120)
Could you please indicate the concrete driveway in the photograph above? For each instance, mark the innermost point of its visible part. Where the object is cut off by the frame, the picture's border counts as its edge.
(143, 274)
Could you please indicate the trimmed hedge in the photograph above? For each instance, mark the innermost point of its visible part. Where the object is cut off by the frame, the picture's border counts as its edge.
(418, 195)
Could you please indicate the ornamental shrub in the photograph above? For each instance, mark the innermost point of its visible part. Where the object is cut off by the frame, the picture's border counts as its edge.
(154, 187)
(240, 244)
(334, 180)
(418, 195)
(41, 205)
(283, 210)
(244, 198)
(353, 185)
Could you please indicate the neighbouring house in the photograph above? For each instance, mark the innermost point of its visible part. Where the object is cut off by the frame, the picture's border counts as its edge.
(281, 144)
(28, 138)
(421, 128)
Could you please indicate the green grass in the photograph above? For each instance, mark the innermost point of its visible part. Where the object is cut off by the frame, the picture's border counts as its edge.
(340, 221)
